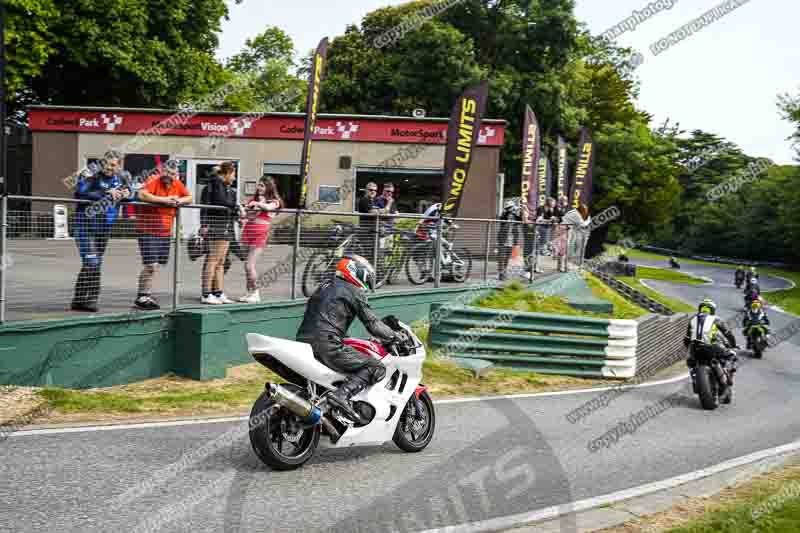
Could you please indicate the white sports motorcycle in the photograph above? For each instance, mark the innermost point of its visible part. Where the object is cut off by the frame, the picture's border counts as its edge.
(288, 419)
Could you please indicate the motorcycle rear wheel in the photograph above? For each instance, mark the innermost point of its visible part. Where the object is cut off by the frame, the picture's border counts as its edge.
(707, 388)
(410, 436)
(269, 424)
(758, 348)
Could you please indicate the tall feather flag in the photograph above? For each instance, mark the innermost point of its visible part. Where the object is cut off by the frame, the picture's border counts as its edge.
(531, 152)
(312, 106)
(462, 138)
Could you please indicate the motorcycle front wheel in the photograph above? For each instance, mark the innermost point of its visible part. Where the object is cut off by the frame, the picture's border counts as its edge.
(415, 430)
(707, 388)
(461, 265)
(278, 437)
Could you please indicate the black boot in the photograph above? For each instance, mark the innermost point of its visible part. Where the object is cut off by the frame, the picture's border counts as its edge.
(354, 384)
(81, 300)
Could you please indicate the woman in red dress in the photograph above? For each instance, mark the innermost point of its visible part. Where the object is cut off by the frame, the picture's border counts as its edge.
(260, 210)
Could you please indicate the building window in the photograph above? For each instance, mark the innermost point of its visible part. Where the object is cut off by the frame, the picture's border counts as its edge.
(330, 194)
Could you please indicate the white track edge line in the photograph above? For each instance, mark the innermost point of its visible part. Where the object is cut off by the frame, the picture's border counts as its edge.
(523, 519)
(173, 423)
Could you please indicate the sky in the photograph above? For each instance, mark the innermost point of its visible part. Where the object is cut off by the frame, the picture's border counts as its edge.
(724, 79)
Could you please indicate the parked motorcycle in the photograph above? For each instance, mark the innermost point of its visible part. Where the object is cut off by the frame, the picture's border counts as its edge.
(288, 420)
(712, 380)
(758, 337)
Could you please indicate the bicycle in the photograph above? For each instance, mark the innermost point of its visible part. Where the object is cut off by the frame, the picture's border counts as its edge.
(456, 262)
(322, 265)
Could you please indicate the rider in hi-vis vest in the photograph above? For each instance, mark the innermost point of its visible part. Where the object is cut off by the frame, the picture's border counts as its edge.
(703, 333)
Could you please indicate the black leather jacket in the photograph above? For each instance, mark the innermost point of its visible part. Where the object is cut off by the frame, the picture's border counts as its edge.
(331, 310)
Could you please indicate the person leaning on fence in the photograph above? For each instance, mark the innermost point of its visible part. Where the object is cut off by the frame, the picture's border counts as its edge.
(154, 226)
(545, 218)
(93, 223)
(509, 234)
(217, 225)
(579, 223)
(259, 212)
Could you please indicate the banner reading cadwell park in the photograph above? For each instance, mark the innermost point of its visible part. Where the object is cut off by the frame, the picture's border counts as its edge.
(462, 137)
(582, 185)
(531, 151)
(312, 106)
(562, 187)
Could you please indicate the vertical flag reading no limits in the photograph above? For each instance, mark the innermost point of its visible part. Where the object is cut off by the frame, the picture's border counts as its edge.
(581, 193)
(563, 186)
(531, 151)
(312, 105)
(462, 137)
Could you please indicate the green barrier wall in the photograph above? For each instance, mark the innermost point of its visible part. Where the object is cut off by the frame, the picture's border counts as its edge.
(195, 342)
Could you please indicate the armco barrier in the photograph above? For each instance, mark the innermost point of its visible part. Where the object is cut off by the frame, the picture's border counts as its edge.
(632, 294)
(538, 342)
(660, 342)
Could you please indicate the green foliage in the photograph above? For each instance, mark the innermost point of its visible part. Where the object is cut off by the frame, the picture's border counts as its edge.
(264, 66)
(146, 53)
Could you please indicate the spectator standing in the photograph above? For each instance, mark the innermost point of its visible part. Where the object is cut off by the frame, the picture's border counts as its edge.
(154, 226)
(366, 205)
(579, 223)
(386, 204)
(93, 223)
(218, 227)
(509, 235)
(259, 212)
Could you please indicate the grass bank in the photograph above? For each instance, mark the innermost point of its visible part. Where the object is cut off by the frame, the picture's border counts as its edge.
(769, 503)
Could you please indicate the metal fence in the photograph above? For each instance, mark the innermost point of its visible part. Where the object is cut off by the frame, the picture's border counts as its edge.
(96, 261)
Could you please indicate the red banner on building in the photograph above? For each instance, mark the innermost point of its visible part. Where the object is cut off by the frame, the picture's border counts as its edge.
(239, 125)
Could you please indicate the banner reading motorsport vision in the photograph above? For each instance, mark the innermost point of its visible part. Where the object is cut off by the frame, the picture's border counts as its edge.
(582, 185)
(462, 137)
(531, 151)
(562, 185)
(312, 105)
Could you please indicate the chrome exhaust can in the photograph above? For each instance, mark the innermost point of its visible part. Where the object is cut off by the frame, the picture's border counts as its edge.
(301, 407)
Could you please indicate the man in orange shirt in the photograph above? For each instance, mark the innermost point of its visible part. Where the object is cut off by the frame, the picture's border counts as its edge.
(154, 225)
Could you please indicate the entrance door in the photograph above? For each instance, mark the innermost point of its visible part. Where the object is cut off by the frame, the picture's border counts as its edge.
(197, 173)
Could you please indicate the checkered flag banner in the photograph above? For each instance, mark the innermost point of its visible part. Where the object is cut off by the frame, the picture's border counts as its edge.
(111, 122)
(240, 125)
(347, 130)
(486, 134)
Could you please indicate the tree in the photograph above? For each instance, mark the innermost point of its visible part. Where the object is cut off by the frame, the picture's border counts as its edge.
(264, 66)
(790, 106)
(143, 53)
(29, 43)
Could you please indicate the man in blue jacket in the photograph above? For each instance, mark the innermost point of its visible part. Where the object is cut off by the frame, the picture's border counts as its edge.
(93, 223)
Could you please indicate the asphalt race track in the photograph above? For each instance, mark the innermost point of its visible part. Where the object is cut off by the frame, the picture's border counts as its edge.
(489, 458)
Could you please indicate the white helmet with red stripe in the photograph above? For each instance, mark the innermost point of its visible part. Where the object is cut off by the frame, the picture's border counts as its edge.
(358, 271)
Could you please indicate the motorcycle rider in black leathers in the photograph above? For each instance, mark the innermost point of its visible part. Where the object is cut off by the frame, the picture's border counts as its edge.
(754, 317)
(752, 291)
(702, 334)
(329, 313)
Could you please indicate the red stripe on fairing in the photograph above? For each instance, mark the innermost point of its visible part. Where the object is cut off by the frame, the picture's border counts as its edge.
(367, 347)
(419, 390)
